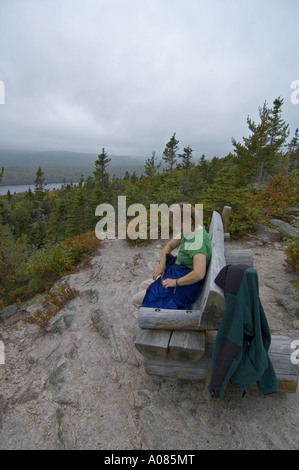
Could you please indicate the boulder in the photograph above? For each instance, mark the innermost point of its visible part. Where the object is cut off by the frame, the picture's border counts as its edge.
(267, 233)
(286, 229)
(8, 311)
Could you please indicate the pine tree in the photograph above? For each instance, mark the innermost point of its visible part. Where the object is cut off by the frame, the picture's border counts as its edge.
(261, 156)
(170, 154)
(186, 166)
(151, 168)
(293, 153)
(100, 174)
(278, 132)
(38, 232)
(75, 222)
(56, 225)
(40, 183)
(186, 157)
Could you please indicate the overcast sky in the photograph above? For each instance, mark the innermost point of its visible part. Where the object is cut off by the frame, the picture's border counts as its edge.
(126, 74)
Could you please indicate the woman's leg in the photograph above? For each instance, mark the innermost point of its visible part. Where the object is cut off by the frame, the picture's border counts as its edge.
(138, 298)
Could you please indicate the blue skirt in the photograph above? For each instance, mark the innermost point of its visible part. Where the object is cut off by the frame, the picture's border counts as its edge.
(179, 297)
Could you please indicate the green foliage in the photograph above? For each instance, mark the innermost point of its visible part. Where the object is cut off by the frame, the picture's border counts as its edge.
(40, 182)
(46, 266)
(225, 192)
(82, 246)
(50, 263)
(169, 154)
(23, 275)
(101, 175)
(151, 168)
(261, 157)
(293, 153)
(292, 252)
(13, 255)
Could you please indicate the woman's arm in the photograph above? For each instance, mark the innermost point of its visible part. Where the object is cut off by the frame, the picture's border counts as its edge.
(169, 247)
(198, 273)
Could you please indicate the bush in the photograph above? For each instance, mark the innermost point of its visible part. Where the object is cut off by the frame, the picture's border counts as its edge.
(280, 194)
(292, 252)
(49, 264)
(13, 255)
(53, 302)
(245, 212)
(82, 245)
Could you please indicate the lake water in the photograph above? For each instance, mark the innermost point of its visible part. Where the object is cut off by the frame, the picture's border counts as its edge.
(21, 188)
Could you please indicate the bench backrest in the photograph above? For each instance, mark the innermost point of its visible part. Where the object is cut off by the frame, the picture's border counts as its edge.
(211, 303)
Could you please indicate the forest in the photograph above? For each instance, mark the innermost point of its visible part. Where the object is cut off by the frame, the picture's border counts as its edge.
(45, 234)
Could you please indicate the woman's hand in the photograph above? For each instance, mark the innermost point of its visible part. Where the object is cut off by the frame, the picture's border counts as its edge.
(169, 283)
(158, 271)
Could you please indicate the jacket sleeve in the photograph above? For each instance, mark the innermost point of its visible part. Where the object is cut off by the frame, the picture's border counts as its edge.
(226, 362)
(227, 350)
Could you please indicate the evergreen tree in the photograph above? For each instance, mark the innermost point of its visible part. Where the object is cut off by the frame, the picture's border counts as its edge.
(293, 153)
(169, 154)
(1, 174)
(56, 225)
(261, 156)
(75, 222)
(40, 183)
(278, 132)
(100, 174)
(81, 181)
(38, 232)
(186, 157)
(151, 168)
(186, 166)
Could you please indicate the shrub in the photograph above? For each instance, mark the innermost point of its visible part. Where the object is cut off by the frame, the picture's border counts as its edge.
(53, 302)
(50, 263)
(13, 255)
(245, 212)
(47, 265)
(82, 245)
(280, 194)
(292, 251)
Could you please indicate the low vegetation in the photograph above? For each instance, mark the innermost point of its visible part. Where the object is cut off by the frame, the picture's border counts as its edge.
(55, 300)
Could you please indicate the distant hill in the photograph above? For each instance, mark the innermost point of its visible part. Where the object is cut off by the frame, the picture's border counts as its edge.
(58, 158)
(60, 166)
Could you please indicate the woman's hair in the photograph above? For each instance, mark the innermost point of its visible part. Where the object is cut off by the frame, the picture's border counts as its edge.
(189, 211)
(186, 206)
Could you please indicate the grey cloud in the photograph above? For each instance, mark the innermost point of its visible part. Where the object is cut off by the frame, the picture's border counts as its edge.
(127, 74)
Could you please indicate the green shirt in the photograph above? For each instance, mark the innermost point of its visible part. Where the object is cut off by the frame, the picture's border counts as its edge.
(198, 243)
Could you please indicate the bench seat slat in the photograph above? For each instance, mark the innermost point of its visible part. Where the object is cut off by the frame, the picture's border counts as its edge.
(168, 319)
(187, 345)
(153, 344)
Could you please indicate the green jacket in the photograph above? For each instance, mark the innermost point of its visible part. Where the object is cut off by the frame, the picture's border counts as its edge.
(240, 352)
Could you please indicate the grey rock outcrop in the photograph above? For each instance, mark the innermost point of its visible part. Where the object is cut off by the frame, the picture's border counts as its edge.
(80, 382)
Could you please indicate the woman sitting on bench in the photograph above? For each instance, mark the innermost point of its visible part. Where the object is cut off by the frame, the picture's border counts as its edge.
(177, 281)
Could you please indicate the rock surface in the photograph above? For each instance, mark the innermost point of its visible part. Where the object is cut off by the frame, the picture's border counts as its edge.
(80, 384)
(286, 229)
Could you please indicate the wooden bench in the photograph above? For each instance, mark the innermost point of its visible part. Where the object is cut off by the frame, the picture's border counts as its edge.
(179, 343)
